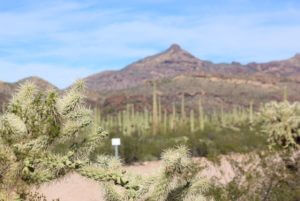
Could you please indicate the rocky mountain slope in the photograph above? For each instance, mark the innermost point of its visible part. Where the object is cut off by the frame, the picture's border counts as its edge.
(286, 69)
(7, 89)
(43, 84)
(172, 62)
(178, 73)
(176, 61)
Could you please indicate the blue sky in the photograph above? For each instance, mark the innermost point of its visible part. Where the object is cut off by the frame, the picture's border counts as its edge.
(64, 40)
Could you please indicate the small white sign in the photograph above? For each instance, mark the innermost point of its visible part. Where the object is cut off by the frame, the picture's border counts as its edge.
(116, 141)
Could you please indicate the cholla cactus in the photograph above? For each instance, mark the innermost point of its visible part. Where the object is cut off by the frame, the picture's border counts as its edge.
(281, 121)
(177, 180)
(34, 123)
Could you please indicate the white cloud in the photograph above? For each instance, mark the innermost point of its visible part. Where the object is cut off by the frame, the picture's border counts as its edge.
(88, 35)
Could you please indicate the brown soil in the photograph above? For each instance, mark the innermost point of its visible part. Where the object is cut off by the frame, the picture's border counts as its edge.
(77, 188)
(72, 188)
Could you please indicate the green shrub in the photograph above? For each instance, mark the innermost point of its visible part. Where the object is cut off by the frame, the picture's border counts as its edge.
(210, 142)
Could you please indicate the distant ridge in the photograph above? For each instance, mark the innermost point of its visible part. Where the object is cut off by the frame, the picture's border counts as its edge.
(177, 61)
(178, 72)
(43, 84)
(7, 89)
(169, 63)
(289, 68)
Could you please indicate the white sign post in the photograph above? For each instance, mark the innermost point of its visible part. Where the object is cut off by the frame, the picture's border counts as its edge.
(116, 142)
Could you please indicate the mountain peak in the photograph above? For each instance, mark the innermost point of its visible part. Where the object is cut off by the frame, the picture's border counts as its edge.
(31, 78)
(174, 47)
(40, 82)
(297, 56)
(295, 60)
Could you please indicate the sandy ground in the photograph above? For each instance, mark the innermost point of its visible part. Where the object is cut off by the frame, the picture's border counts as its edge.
(77, 188)
(74, 187)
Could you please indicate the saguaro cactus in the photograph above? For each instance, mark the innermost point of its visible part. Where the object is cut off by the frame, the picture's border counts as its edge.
(251, 119)
(173, 117)
(201, 115)
(183, 115)
(154, 109)
(160, 115)
(192, 121)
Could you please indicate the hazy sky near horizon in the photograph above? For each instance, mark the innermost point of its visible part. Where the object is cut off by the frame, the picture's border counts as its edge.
(64, 40)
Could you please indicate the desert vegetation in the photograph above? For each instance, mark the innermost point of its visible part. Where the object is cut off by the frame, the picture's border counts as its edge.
(274, 174)
(44, 137)
(31, 128)
(146, 133)
(37, 124)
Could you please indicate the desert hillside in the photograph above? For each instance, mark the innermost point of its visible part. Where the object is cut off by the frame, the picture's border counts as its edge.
(178, 73)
